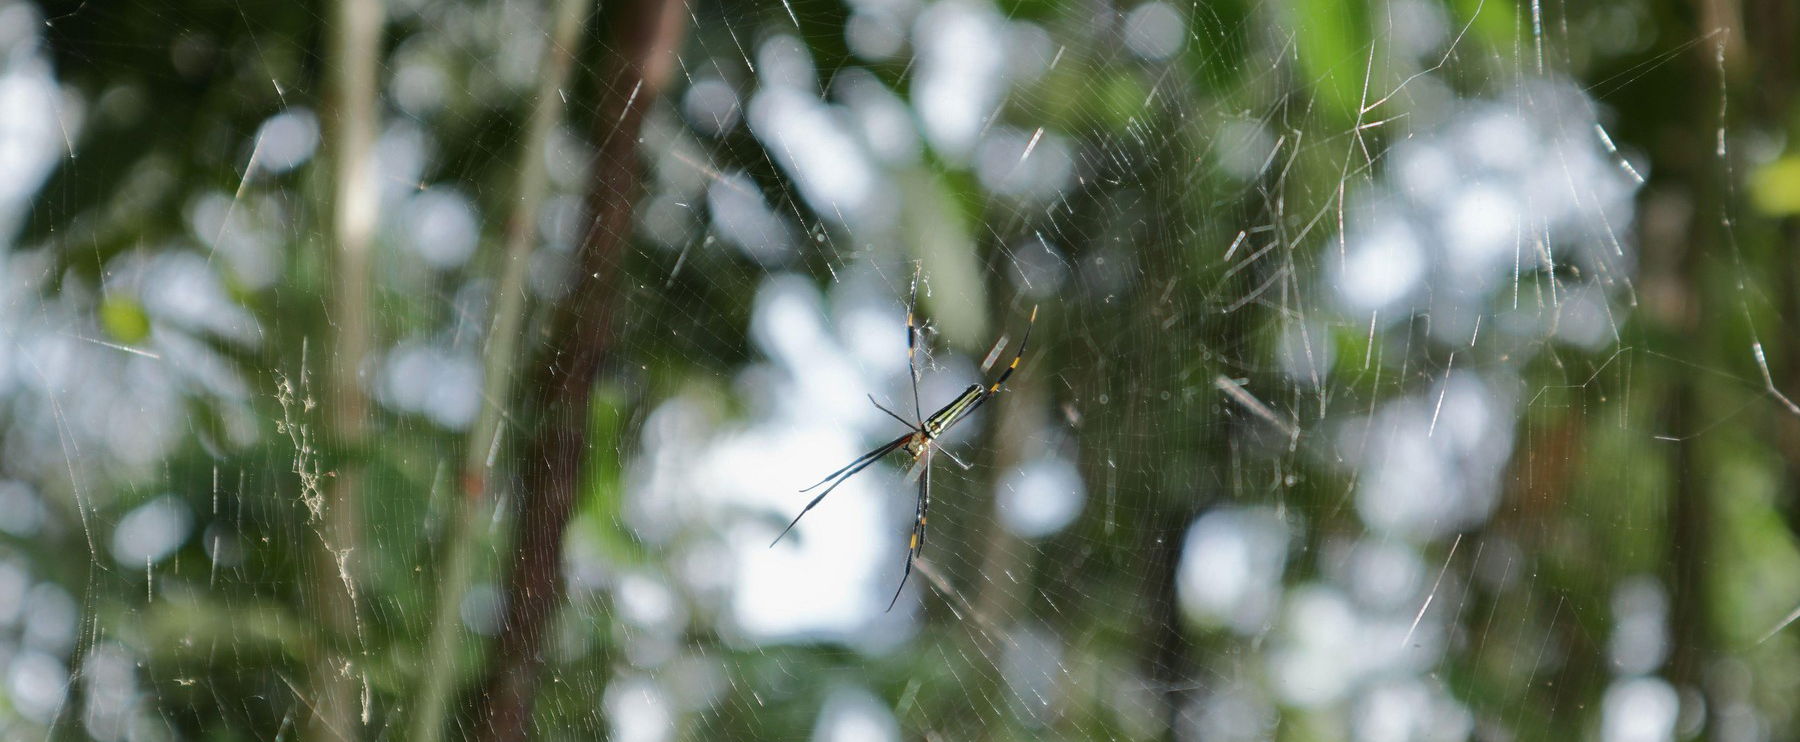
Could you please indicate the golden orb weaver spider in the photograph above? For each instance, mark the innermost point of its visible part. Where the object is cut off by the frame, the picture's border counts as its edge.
(921, 439)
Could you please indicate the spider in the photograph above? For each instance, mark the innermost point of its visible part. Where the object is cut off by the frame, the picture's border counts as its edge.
(921, 438)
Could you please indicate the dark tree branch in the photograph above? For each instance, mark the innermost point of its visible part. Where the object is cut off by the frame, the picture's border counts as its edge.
(638, 63)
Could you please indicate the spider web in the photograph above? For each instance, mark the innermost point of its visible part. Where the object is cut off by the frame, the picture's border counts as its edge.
(1389, 380)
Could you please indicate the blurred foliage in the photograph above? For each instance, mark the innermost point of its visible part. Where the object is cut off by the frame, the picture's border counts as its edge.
(1663, 454)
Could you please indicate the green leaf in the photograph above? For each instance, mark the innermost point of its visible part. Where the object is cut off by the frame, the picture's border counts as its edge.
(1775, 187)
(1334, 47)
(124, 319)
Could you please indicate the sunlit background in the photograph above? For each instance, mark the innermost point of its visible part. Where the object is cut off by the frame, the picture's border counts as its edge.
(1401, 370)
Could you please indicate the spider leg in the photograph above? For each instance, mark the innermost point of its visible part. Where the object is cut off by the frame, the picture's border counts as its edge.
(954, 459)
(994, 388)
(1014, 366)
(842, 475)
(891, 413)
(880, 451)
(918, 529)
(912, 337)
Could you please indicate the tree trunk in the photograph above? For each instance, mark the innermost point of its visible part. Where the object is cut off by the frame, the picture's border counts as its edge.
(440, 670)
(646, 36)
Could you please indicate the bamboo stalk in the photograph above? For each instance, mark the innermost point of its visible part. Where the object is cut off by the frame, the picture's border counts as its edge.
(353, 60)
